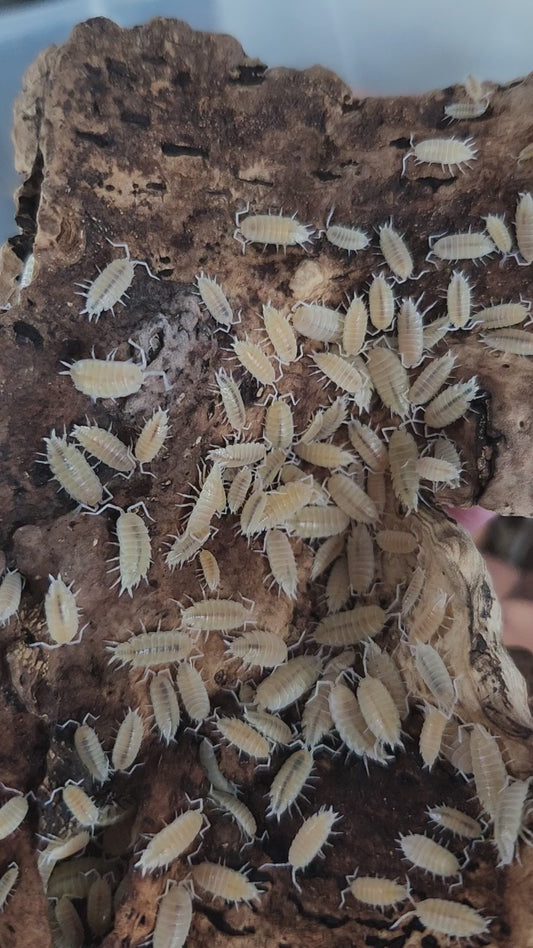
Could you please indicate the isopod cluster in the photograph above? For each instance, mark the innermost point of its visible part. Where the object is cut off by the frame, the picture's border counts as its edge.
(329, 499)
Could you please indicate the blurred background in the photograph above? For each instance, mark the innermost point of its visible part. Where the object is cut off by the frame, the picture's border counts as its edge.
(379, 47)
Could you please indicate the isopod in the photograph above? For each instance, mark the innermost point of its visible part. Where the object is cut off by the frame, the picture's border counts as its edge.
(403, 455)
(315, 522)
(457, 822)
(412, 593)
(289, 782)
(216, 615)
(348, 720)
(381, 665)
(426, 854)
(152, 437)
(368, 444)
(449, 153)
(466, 246)
(230, 394)
(61, 611)
(91, 753)
(332, 418)
(73, 472)
(355, 326)
(347, 238)
(210, 569)
(108, 378)
(431, 668)
(255, 361)
(352, 499)
(224, 883)
(238, 489)
(452, 403)
(69, 922)
(513, 341)
(174, 917)
(360, 556)
(211, 500)
(438, 470)
(431, 735)
(260, 647)
(310, 838)
(252, 520)
(499, 232)
(431, 379)
(459, 300)
(379, 711)
(338, 585)
(347, 374)
(193, 692)
(165, 704)
(239, 811)
(279, 424)
(524, 226)
(381, 303)
(502, 316)
(323, 454)
(488, 767)
(270, 726)
(271, 229)
(215, 300)
(410, 333)
(326, 554)
(170, 842)
(376, 891)
(111, 285)
(105, 446)
(62, 847)
(350, 627)
(396, 252)
(399, 542)
(81, 805)
(435, 331)
(12, 814)
(99, 906)
(244, 737)
(128, 741)
(316, 717)
(317, 322)
(281, 334)
(508, 819)
(465, 110)
(268, 470)
(184, 548)
(287, 683)
(148, 649)
(134, 551)
(282, 562)
(239, 454)
(390, 379)
(10, 593)
(450, 918)
(209, 762)
(8, 882)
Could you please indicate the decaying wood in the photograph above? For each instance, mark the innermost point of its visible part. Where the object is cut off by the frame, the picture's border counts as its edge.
(155, 136)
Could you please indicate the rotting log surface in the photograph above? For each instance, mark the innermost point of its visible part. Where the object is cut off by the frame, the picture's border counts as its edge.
(155, 136)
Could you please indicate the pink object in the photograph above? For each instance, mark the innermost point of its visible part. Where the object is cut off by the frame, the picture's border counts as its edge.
(472, 518)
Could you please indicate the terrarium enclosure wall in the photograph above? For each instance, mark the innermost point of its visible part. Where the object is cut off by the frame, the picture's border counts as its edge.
(254, 688)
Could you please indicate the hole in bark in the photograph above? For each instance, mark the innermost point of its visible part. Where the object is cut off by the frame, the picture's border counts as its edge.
(260, 181)
(323, 175)
(28, 205)
(156, 185)
(101, 141)
(400, 143)
(39, 474)
(25, 332)
(181, 79)
(436, 183)
(247, 75)
(135, 118)
(172, 150)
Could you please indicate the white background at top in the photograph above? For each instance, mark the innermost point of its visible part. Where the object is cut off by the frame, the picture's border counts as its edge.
(378, 46)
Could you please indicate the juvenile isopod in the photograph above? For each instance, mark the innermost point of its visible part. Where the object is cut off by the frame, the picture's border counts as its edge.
(216, 615)
(426, 854)
(431, 735)
(390, 379)
(431, 379)
(239, 454)
(281, 334)
(452, 403)
(462, 111)
(399, 542)
(230, 394)
(81, 805)
(360, 557)
(260, 647)
(184, 548)
(344, 237)
(375, 891)
(287, 683)
(368, 444)
(352, 499)
(524, 226)
(255, 361)
(244, 737)
(349, 721)
(193, 692)
(108, 378)
(513, 341)
(210, 569)
(396, 252)
(252, 519)
(224, 883)
(170, 842)
(282, 562)
(105, 446)
(326, 554)
(355, 326)
(412, 593)
(239, 488)
(211, 500)
(279, 424)
(431, 668)
(381, 303)
(465, 246)
(317, 322)
(457, 822)
(215, 300)
(450, 918)
(152, 437)
(410, 333)
(73, 472)
(379, 710)
(10, 593)
(237, 809)
(350, 627)
(271, 229)
(61, 612)
(508, 819)
(449, 153)
(428, 619)
(488, 767)
(12, 814)
(128, 741)
(134, 551)
(8, 882)
(91, 752)
(174, 917)
(165, 704)
(403, 456)
(149, 649)
(459, 300)
(270, 726)
(315, 522)
(310, 838)
(499, 232)
(111, 285)
(323, 454)
(209, 762)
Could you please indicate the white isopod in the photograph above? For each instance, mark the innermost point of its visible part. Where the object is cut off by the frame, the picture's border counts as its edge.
(431, 379)
(396, 252)
(316, 717)
(99, 906)
(239, 454)
(452, 403)
(184, 548)
(488, 767)
(310, 838)
(282, 562)
(502, 316)
(338, 585)
(457, 822)
(465, 246)
(61, 611)
(403, 456)
(281, 334)
(361, 560)
(349, 721)
(210, 501)
(333, 417)
(317, 322)
(279, 424)
(375, 891)
(73, 472)
(91, 752)
(450, 153)
(513, 341)
(508, 819)
(224, 883)
(435, 331)
(165, 704)
(381, 303)
(431, 735)
(270, 467)
(237, 809)
(12, 814)
(326, 554)
(239, 488)
(215, 300)
(445, 450)
(149, 649)
(438, 470)
(216, 615)
(289, 782)
(399, 542)
(230, 394)
(128, 741)
(10, 594)
(244, 737)
(210, 569)
(323, 454)
(271, 229)
(368, 444)
(108, 378)
(316, 522)
(287, 683)
(171, 842)
(431, 668)
(174, 917)
(260, 647)
(344, 237)
(347, 374)
(105, 446)
(412, 593)
(252, 520)
(209, 762)
(379, 710)
(459, 300)
(390, 379)
(193, 692)
(8, 882)
(352, 499)
(465, 110)
(355, 326)
(350, 627)
(111, 285)
(81, 805)
(382, 665)
(524, 226)
(134, 550)
(410, 333)
(255, 361)
(426, 854)
(152, 437)
(450, 918)
(499, 232)
(270, 726)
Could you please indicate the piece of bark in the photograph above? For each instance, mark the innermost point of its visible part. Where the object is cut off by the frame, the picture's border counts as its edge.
(155, 136)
